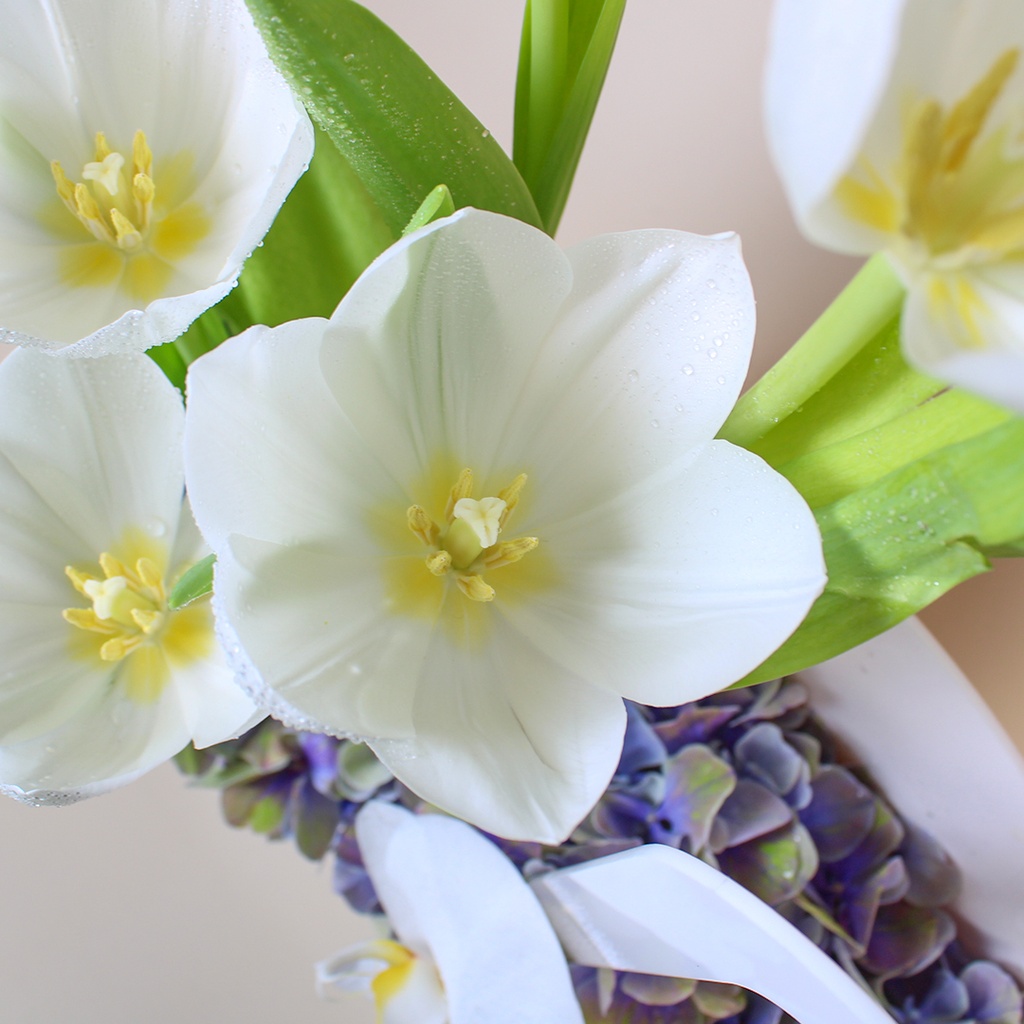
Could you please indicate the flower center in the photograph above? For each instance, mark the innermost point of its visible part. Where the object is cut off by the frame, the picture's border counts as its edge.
(956, 195)
(467, 545)
(406, 988)
(131, 623)
(137, 233)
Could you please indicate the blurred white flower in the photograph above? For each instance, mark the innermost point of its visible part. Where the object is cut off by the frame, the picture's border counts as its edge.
(99, 680)
(145, 147)
(472, 942)
(899, 126)
(478, 506)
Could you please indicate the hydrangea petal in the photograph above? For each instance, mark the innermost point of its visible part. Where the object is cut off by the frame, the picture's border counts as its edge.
(449, 891)
(972, 796)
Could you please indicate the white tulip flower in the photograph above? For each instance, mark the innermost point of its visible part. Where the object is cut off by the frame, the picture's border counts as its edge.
(145, 147)
(478, 506)
(99, 680)
(897, 126)
(471, 941)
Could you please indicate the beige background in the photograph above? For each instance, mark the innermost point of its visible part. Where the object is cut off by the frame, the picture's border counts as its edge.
(142, 905)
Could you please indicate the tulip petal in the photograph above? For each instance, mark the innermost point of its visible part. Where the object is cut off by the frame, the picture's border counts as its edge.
(507, 739)
(969, 329)
(681, 587)
(450, 892)
(89, 457)
(655, 910)
(199, 82)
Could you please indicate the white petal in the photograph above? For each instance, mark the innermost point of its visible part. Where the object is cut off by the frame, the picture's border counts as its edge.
(88, 450)
(645, 362)
(433, 350)
(315, 623)
(507, 739)
(937, 751)
(448, 890)
(268, 453)
(198, 81)
(655, 910)
(682, 587)
(828, 65)
(841, 77)
(978, 344)
(96, 442)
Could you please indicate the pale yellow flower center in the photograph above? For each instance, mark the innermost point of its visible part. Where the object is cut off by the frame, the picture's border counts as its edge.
(467, 545)
(129, 621)
(137, 231)
(955, 198)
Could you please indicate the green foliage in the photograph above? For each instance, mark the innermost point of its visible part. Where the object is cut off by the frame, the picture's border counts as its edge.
(895, 546)
(564, 55)
(196, 582)
(398, 127)
(438, 204)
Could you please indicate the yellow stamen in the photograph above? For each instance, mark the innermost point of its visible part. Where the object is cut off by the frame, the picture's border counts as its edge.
(968, 116)
(508, 551)
(86, 618)
(116, 202)
(128, 236)
(463, 489)
(142, 155)
(149, 621)
(119, 647)
(510, 495)
(475, 588)
(102, 147)
(78, 579)
(422, 525)
(111, 566)
(439, 562)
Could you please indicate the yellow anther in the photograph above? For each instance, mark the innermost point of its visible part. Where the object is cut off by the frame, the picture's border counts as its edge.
(85, 204)
(463, 489)
(143, 189)
(439, 562)
(149, 574)
(510, 495)
(142, 155)
(65, 187)
(922, 154)
(148, 621)
(968, 117)
(86, 618)
(128, 236)
(422, 525)
(119, 647)
(508, 551)
(475, 588)
(112, 566)
(102, 147)
(78, 579)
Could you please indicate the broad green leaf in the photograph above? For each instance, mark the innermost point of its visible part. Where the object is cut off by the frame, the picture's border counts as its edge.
(196, 582)
(326, 234)
(894, 547)
(400, 129)
(564, 55)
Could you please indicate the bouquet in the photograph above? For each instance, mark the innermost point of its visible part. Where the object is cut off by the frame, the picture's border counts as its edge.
(449, 525)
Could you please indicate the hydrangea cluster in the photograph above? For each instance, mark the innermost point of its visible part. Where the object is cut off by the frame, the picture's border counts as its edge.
(746, 780)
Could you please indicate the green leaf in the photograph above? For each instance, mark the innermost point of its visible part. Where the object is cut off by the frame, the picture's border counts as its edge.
(400, 129)
(437, 205)
(168, 358)
(564, 55)
(196, 582)
(326, 234)
(894, 547)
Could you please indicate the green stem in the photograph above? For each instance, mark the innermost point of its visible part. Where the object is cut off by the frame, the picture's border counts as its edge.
(856, 316)
(549, 42)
